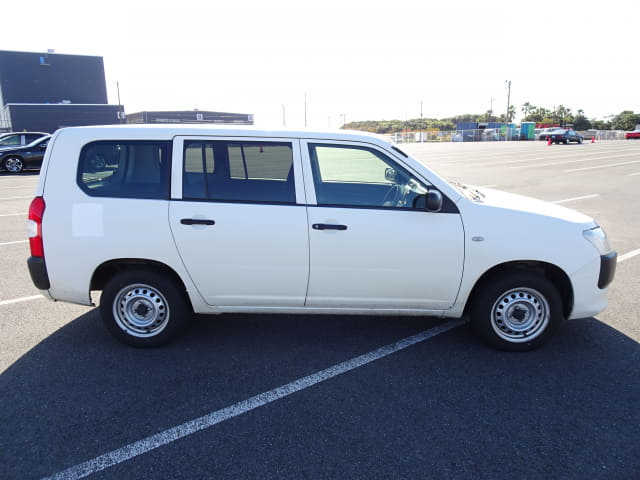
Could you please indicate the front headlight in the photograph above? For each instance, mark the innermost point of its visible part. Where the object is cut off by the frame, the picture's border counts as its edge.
(598, 239)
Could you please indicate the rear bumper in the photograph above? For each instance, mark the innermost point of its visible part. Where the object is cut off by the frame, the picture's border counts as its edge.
(38, 271)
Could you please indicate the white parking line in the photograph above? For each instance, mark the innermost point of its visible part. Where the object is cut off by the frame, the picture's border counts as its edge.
(577, 198)
(561, 162)
(13, 243)
(152, 442)
(601, 166)
(18, 300)
(16, 198)
(633, 174)
(13, 214)
(628, 255)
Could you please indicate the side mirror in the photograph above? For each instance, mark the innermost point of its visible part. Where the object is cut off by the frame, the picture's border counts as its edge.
(390, 175)
(430, 201)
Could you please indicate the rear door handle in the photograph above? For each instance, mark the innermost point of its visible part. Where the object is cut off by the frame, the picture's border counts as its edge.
(197, 221)
(328, 226)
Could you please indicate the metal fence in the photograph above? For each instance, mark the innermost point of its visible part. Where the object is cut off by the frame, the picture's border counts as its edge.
(487, 135)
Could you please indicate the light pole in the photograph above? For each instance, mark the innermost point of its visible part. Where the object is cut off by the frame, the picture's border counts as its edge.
(508, 82)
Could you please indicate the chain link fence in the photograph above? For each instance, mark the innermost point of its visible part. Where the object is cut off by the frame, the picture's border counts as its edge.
(488, 135)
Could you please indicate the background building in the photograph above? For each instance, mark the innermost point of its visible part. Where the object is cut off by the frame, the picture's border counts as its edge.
(191, 116)
(46, 91)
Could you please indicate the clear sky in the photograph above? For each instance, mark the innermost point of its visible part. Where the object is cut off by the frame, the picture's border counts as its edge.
(359, 60)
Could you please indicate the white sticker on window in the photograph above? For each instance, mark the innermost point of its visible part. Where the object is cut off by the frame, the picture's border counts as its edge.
(87, 220)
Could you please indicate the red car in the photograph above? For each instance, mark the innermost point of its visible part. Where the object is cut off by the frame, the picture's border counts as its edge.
(634, 134)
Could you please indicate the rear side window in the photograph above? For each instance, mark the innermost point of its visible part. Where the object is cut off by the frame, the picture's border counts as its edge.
(128, 169)
(254, 172)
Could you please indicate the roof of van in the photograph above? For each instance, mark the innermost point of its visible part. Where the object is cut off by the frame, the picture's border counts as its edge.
(158, 131)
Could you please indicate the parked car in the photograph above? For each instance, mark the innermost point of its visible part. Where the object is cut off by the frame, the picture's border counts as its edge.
(17, 159)
(185, 219)
(632, 134)
(545, 132)
(15, 139)
(565, 136)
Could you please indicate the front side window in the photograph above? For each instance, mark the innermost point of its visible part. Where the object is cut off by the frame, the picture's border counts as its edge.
(358, 176)
(219, 170)
(129, 169)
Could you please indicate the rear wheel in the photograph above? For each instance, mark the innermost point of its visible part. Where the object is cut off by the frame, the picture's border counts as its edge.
(13, 164)
(516, 311)
(144, 308)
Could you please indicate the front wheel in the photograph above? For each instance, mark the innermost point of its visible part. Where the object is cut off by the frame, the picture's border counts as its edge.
(517, 311)
(13, 164)
(144, 308)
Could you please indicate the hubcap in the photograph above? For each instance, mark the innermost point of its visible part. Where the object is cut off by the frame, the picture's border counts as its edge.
(520, 315)
(13, 165)
(141, 310)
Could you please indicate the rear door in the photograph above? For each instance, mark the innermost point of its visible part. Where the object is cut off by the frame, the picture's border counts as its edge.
(239, 219)
(370, 246)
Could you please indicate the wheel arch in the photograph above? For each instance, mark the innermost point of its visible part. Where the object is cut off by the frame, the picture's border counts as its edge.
(108, 269)
(553, 273)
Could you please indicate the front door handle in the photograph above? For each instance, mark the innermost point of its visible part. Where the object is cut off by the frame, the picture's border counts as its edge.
(328, 226)
(197, 221)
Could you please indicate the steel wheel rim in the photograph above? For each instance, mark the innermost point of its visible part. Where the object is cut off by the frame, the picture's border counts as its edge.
(520, 315)
(13, 164)
(141, 310)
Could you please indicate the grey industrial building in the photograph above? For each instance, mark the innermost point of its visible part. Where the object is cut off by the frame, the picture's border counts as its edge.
(46, 91)
(191, 116)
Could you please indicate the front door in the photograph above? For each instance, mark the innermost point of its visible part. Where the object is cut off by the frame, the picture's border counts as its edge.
(369, 246)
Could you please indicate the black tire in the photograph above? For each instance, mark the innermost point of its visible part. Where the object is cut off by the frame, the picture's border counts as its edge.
(516, 311)
(144, 307)
(566, 141)
(13, 164)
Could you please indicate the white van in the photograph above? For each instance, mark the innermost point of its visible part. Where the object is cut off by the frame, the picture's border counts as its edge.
(171, 220)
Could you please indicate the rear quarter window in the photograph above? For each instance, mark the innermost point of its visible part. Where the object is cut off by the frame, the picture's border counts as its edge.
(126, 169)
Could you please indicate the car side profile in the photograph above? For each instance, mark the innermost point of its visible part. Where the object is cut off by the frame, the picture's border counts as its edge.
(634, 134)
(181, 219)
(27, 157)
(565, 136)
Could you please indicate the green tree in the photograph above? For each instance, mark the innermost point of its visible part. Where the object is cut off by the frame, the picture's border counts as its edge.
(527, 108)
(626, 120)
(580, 122)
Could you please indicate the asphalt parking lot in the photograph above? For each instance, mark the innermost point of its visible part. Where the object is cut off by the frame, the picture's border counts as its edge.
(276, 396)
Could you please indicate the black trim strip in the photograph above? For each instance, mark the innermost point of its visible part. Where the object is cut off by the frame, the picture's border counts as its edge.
(38, 271)
(607, 269)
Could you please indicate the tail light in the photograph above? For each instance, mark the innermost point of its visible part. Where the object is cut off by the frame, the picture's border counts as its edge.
(34, 227)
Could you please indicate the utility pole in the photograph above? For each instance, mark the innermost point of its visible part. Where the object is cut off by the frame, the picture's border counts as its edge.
(305, 109)
(508, 82)
(421, 135)
(284, 123)
(490, 109)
